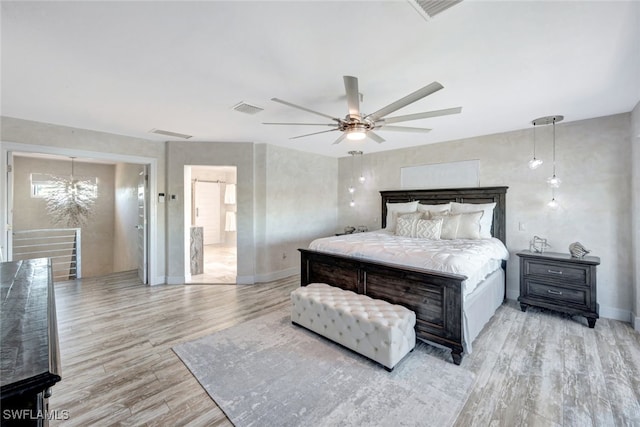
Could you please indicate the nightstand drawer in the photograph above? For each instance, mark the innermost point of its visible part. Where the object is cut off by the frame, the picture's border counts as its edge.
(537, 289)
(556, 271)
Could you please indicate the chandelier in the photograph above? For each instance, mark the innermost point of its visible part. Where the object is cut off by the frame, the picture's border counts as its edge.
(70, 200)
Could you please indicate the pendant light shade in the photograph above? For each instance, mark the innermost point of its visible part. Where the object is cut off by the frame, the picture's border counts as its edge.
(534, 163)
(361, 179)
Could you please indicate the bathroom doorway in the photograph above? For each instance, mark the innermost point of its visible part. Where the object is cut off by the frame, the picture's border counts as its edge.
(212, 226)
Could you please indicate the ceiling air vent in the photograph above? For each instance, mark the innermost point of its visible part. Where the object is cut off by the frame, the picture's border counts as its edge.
(430, 8)
(168, 133)
(243, 107)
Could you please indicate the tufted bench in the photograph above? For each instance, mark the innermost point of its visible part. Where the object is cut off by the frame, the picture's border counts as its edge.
(374, 328)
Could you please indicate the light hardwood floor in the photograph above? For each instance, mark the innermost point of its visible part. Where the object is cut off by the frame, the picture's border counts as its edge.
(220, 265)
(533, 368)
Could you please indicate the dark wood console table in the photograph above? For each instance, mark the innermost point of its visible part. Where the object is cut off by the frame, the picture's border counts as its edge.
(29, 355)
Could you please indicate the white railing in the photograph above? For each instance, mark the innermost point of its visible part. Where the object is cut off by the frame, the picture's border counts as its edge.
(62, 245)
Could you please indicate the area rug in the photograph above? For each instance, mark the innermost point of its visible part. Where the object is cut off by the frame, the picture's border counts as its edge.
(268, 372)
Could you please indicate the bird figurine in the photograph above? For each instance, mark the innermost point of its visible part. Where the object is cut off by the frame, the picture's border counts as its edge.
(577, 250)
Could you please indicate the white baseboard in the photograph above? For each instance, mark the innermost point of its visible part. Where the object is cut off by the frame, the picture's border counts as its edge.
(266, 277)
(636, 322)
(616, 314)
(241, 280)
(158, 280)
(245, 280)
(277, 275)
(513, 294)
(176, 280)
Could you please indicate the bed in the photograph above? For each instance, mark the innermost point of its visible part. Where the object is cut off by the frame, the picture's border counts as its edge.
(447, 313)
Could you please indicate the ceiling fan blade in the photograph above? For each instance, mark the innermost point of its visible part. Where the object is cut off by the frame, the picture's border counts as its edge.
(403, 102)
(304, 109)
(425, 115)
(353, 96)
(404, 129)
(339, 140)
(301, 124)
(377, 138)
(315, 133)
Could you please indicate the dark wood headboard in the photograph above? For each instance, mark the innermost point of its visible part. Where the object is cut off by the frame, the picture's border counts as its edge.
(460, 195)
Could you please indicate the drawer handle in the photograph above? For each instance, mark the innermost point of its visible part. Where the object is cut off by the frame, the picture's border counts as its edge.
(551, 291)
(554, 271)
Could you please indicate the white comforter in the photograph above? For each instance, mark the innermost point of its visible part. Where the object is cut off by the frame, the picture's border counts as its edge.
(472, 258)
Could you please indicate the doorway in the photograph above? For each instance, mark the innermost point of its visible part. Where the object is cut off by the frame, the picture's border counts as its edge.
(212, 236)
(103, 243)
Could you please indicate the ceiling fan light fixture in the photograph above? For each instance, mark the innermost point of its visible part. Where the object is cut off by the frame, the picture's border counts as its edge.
(356, 133)
(356, 127)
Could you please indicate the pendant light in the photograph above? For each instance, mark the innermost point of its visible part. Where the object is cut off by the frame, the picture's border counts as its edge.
(534, 163)
(361, 179)
(553, 181)
(70, 200)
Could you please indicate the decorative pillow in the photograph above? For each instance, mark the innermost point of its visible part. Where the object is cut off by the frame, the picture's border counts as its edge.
(429, 228)
(405, 227)
(450, 224)
(398, 208)
(445, 207)
(469, 225)
(487, 217)
(406, 224)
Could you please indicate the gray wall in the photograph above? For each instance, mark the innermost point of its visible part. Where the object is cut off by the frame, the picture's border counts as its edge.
(635, 210)
(593, 159)
(299, 205)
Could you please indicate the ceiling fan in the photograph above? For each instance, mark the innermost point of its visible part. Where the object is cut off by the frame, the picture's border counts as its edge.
(356, 127)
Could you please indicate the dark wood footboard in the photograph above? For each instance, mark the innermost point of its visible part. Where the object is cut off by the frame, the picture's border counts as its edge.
(435, 297)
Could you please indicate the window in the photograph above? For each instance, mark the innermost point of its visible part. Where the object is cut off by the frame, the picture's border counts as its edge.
(42, 184)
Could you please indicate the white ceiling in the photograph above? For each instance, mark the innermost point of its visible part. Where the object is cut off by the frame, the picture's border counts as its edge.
(128, 67)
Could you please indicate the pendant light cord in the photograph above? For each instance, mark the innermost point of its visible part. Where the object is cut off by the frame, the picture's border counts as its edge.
(554, 146)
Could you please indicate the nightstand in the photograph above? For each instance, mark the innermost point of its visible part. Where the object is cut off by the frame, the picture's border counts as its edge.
(559, 282)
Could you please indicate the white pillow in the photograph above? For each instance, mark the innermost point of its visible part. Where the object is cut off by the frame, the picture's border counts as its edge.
(398, 208)
(445, 207)
(450, 224)
(429, 228)
(469, 225)
(406, 224)
(487, 216)
(405, 227)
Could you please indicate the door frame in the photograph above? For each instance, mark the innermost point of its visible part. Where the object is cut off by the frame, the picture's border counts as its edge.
(187, 209)
(6, 150)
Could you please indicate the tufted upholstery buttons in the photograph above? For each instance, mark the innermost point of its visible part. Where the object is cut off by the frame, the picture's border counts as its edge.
(374, 328)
